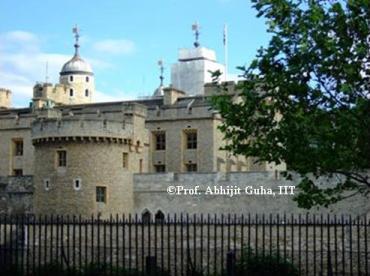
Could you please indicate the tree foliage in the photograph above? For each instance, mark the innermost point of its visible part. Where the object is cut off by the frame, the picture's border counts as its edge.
(305, 98)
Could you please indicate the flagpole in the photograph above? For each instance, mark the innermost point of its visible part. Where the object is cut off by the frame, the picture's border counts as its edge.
(225, 51)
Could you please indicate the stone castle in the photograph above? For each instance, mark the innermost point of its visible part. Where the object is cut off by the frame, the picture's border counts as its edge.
(66, 154)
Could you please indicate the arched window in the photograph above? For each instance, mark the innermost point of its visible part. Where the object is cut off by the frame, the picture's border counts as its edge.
(87, 79)
(70, 78)
(71, 92)
(87, 92)
(47, 184)
(159, 217)
(77, 183)
(146, 216)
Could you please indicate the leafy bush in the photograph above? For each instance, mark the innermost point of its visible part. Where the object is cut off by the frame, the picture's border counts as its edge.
(257, 264)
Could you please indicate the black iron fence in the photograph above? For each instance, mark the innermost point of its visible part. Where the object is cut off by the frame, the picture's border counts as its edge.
(185, 245)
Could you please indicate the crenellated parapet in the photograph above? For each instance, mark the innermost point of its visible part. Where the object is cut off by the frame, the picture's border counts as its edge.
(230, 87)
(185, 108)
(77, 129)
(46, 95)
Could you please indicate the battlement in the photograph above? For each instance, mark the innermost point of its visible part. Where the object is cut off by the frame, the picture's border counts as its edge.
(43, 89)
(98, 110)
(78, 129)
(197, 107)
(231, 87)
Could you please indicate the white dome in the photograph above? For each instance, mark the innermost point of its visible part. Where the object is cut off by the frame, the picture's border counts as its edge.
(158, 92)
(76, 65)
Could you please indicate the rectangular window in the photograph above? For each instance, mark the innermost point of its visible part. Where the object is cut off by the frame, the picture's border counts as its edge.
(160, 141)
(160, 168)
(18, 147)
(191, 167)
(18, 172)
(125, 160)
(191, 140)
(62, 158)
(101, 194)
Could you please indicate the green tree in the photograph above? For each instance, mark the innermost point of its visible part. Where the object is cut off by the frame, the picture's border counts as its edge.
(305, 98)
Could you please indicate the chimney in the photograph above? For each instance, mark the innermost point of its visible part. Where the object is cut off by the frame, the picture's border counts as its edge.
(5, 98)
(171, 95)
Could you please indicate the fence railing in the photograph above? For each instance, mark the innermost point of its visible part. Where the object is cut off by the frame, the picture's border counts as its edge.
(185, 245)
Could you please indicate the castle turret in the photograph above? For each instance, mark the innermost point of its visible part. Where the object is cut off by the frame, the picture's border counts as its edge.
(77, 74)
(5, 98)
(76, 83)
(86, 157)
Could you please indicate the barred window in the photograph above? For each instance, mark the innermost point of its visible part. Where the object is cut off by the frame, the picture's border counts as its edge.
(160, 141)
(101, 194)
(18, 147)
(62, 158)
(160, 168)
(191, 140)
(17, 172)
(191, 167)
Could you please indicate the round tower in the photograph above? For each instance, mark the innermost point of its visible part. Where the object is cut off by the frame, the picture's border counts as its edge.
(83, 166)
(5, 98)
(78, 77)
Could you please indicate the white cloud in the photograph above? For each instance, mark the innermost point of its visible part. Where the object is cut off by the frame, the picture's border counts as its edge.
(115, 46)
(19, 37)
(22, 63)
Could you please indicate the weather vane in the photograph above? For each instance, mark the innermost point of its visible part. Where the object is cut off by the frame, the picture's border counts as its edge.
(76, 32)
(195, 27)
(161, 68)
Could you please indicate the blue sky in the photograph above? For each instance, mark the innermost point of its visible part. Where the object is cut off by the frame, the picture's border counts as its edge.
(123, 40)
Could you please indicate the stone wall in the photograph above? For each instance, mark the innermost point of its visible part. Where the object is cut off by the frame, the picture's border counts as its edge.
(150, 193)
(16, 194)
(15, 125)
(94, 165)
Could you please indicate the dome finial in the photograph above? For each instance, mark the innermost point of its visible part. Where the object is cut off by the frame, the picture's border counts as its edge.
(195, 27)
(76, 31)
